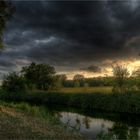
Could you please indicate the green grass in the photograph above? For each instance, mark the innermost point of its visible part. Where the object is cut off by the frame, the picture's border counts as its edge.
(101, 89)
(115, 102)
(126, 103)
(22, 121)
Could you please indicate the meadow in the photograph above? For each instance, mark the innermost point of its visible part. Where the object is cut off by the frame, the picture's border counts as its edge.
(96, 89)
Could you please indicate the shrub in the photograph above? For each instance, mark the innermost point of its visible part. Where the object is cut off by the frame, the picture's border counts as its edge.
(13, 83)
(121, 75)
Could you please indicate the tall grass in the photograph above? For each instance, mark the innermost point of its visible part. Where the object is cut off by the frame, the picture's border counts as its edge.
(99, 89)
(33, 110)
(127, 103)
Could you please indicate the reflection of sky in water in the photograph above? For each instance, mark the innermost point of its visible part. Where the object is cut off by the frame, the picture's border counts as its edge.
(88, 126)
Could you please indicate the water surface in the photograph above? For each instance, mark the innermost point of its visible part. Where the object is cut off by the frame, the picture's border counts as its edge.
(111, 126)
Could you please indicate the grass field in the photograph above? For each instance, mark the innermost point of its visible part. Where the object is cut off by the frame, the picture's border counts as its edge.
(84, 90)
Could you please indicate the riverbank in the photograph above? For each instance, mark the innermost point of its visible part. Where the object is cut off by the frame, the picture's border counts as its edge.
(22, 121)
(123, 103)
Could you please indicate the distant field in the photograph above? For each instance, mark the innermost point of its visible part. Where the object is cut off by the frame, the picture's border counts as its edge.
(85, 90)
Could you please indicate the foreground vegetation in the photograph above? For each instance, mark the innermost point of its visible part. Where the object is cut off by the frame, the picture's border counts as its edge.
(22, 121)
(126, 103)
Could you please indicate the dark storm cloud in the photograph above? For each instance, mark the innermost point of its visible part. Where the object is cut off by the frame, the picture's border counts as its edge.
(73, 33)
(92, 68)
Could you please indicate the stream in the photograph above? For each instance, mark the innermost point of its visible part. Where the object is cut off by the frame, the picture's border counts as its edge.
(102, 125)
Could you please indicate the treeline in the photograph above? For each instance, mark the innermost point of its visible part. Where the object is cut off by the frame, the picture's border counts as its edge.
(89, 82)
(44, 77)
(100, 81)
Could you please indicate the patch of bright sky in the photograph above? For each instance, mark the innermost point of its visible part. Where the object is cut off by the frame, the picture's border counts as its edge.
(130, 65)
(47, 40)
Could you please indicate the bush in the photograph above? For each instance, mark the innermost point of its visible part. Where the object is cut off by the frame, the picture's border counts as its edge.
(13, 83)
(121, 75)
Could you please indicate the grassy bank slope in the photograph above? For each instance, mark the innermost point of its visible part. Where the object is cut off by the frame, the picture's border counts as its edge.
(24, 122)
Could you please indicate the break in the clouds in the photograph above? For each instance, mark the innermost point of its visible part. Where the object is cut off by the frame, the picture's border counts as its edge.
(71, 35)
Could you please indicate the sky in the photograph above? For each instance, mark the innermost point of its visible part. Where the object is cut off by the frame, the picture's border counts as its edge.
(85, 37)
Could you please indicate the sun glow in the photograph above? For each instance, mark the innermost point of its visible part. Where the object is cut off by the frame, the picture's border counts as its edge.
(131, 65)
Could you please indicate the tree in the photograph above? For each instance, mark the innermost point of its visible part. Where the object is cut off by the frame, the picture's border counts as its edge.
(40, 75)
(136, 73)
(6, 11)
(63, 77)
(135, 78)
(60, 80)
(78, 77)
(13, 83)
(79, 80)
(120, 78)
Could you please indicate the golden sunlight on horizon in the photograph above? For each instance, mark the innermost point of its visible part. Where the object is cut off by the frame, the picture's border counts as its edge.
(131, 65)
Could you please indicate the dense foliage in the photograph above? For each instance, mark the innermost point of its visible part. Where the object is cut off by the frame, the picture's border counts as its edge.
(39, 75)
(6, 11)
(13, 83)
(91, 82)
(124, 103)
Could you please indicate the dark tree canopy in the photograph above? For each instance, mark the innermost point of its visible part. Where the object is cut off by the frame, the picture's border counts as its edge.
(13, 83)
(41, 75)
(6, 11)
(78, 77)
(79, 80)
(62, 77)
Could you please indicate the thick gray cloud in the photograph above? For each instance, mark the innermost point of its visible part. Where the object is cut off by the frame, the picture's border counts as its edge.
(92, 68)
(72, 34)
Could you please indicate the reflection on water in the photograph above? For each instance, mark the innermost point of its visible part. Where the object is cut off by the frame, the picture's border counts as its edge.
(95, 127)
